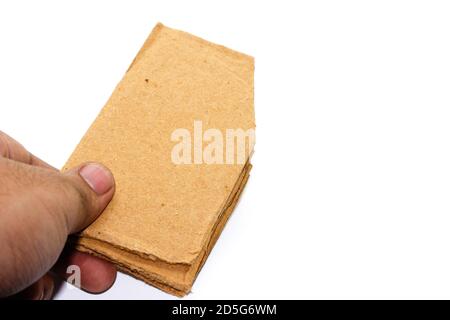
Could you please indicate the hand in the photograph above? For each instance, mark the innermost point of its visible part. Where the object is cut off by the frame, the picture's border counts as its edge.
(39, 208)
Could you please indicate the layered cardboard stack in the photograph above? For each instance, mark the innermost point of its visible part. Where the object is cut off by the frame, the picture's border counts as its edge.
(166, 216)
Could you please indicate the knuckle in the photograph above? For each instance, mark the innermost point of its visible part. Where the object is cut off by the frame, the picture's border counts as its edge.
(11, 149)
(4, 145)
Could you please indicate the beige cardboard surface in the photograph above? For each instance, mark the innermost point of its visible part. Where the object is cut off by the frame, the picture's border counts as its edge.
(167, 215)
(176, 279)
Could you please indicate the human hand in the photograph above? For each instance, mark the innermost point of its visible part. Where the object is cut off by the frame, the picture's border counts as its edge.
(39, 208)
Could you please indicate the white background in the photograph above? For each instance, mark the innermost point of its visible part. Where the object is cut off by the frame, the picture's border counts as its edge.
(349, 195)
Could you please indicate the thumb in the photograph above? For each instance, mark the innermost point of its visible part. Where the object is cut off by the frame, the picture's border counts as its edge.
(39, 208)
(92, 187)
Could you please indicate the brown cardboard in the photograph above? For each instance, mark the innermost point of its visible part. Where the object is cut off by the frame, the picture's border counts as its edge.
(174, 278)
(165, 217)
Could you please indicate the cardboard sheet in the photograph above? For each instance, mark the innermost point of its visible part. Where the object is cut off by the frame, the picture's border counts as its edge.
(165, 216)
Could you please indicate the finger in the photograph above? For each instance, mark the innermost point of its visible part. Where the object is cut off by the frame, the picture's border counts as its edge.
(96, 275)
(40, 290)
(11, 149)
(33, 292)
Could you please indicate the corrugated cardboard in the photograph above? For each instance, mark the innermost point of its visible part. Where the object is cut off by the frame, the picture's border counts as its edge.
(165, 217)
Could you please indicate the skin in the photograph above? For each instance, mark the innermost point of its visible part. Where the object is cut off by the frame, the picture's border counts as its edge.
(39, 208)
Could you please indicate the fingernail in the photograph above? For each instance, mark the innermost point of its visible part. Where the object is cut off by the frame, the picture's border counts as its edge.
(97, 177)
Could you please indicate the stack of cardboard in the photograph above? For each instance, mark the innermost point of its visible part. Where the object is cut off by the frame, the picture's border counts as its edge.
(170, 203)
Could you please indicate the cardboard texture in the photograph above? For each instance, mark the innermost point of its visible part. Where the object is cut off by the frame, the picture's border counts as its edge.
(165, 218)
